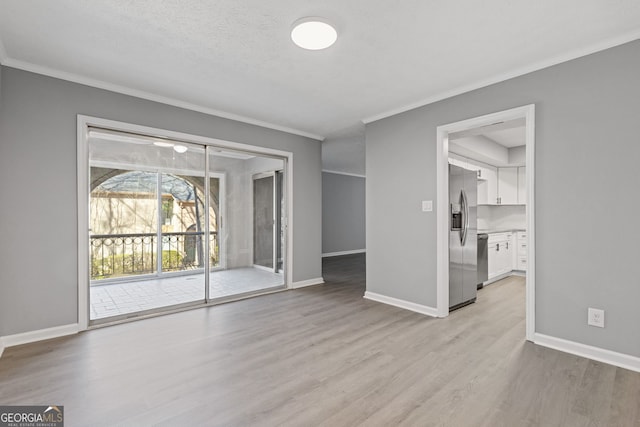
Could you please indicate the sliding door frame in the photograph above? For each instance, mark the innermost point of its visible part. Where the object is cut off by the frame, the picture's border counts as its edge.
(83, 185)
(276, 227)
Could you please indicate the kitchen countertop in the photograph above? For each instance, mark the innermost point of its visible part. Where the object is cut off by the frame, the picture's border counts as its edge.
(500, 230)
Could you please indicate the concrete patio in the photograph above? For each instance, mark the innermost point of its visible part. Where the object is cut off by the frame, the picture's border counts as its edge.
(114, 299)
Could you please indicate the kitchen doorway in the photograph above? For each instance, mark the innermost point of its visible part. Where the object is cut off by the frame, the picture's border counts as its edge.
(525, 113)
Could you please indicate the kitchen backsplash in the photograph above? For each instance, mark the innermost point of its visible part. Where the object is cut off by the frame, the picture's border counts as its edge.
(502, 217)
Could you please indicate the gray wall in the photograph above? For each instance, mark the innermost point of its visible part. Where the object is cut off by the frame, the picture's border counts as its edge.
(586, 156)
(343, 213)
(345, 153)
(38, 284)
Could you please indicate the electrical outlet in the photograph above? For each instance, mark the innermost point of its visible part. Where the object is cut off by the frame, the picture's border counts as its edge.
(595, 317)
(427, 205)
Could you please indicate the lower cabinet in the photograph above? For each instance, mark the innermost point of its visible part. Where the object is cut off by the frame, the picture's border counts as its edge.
(506, 252)
(521, 254)
(500, 254)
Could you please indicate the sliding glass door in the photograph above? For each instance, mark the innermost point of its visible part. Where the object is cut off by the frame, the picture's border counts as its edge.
(244, 226)
(268, 234)
(147, 224)
(175, 224)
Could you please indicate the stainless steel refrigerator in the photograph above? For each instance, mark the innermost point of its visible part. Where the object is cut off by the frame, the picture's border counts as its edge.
(463, 237)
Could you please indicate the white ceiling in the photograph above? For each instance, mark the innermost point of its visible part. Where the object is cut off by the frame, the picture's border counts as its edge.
(508, 137)
(509, 134)
(234, 58)
(499, 144)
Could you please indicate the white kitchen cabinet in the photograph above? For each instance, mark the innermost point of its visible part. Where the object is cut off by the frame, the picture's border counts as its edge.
(488, 186)
(522, 185)
(492, 260)
(522, 263)
(513, 246)
(507, 252)
(507, 186)
(496, 186)
(521, 255)
(483, 170)
(500, 254)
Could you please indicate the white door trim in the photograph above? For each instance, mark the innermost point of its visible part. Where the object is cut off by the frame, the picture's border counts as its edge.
(83, 124)
(442, 294)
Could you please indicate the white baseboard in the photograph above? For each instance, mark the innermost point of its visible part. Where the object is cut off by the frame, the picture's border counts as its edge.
(305, 283)
(1, 346)
(495, 279)
(418, 308)
(595, 353)
(519, 273)
(39, 335)
(356, 251)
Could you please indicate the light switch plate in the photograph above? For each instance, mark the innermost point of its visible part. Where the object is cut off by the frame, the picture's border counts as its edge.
(595, 317)
(427, 205)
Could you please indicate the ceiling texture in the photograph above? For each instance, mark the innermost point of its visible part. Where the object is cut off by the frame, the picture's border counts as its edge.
(235, 58)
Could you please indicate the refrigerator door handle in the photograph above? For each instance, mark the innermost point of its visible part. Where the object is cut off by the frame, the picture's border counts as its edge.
(465, 220)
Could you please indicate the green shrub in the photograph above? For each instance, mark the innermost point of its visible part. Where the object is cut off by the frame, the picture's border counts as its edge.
(130, 264)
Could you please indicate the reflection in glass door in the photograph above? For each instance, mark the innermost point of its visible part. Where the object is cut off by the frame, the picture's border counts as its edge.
(280, 221)
(264, 224)
(268, 233)
(175, 224)
(251, 242)
(146, 225)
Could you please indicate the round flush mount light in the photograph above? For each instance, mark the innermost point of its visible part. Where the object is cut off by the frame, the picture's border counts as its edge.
(180, 148)
(313, 33)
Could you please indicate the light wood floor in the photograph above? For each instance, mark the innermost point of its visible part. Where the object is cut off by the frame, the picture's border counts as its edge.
(322, 356)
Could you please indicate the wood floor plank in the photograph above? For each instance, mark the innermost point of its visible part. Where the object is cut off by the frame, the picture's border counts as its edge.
(322, 356)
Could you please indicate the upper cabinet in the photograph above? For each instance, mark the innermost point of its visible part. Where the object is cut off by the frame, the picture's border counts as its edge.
(522, 185)
(507, 186)
(464, 163)
(488, 186)
(496, 186)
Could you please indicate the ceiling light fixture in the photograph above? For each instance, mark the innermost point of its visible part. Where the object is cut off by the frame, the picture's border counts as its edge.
(180, 149)
(162, 144)
(313, 33)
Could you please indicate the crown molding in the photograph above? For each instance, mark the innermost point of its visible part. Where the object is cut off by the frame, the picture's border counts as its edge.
(344, 173)
(87, 81)
(558, 59)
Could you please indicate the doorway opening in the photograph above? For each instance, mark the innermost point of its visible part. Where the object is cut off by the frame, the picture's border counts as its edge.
(171, 222)
(446, 135)
(267, 221)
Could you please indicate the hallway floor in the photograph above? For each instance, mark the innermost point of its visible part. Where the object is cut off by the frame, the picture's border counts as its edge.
(322, 355)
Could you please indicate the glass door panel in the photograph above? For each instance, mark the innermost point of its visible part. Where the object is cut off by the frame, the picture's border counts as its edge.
(249, 235)
(216, 184)
(264, 221)
(163, 224)
(147, 210)
(280, 221)
(182, 215)
(123, 218)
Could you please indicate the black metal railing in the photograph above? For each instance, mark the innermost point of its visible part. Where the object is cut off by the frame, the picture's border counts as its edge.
(118, 255)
